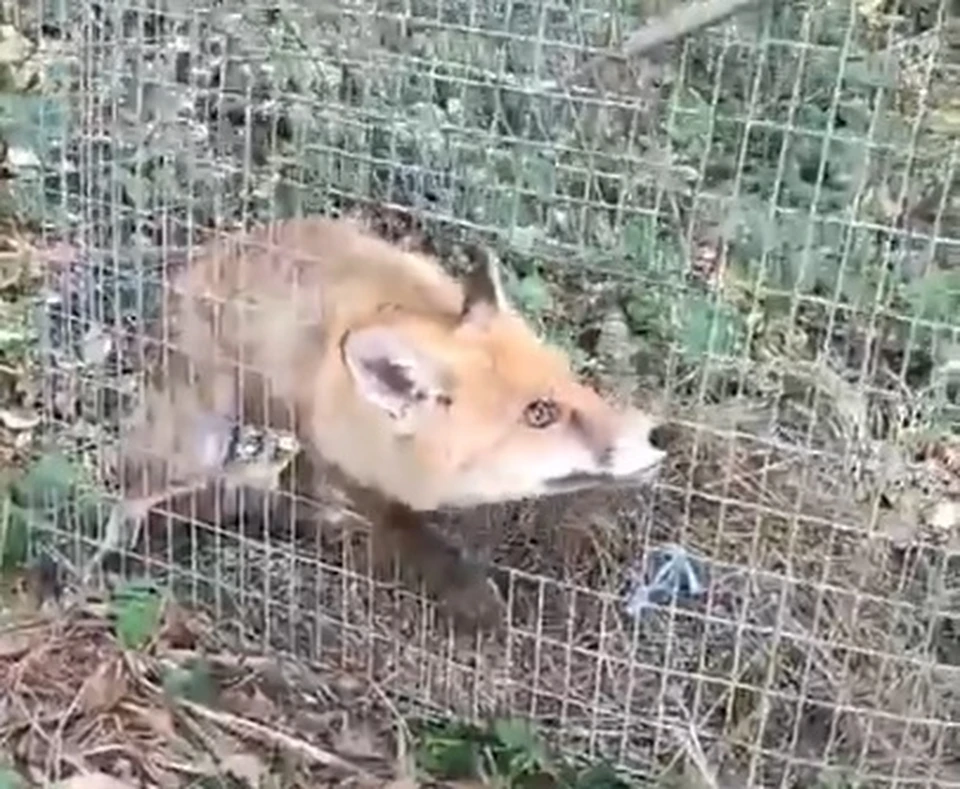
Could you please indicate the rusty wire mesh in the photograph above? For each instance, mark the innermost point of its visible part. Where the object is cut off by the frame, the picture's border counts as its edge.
(758, 226)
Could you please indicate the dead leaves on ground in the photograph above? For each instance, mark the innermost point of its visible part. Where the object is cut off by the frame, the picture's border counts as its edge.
(79, 712)
(20, 276)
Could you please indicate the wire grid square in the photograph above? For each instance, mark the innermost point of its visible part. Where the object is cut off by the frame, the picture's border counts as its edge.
(778, 162)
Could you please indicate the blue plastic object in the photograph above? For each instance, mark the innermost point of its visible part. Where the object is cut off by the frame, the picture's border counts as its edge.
(675, 574)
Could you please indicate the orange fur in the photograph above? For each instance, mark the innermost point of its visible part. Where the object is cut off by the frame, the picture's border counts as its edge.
(293, 291)
(412, 384)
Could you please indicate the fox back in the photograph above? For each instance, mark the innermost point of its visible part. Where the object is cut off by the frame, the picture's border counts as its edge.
(430, 390)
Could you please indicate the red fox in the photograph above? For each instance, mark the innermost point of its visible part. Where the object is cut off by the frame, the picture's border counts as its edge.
(425, 391)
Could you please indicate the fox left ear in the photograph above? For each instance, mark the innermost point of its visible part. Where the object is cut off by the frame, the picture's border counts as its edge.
(483, 295)
(391, 373)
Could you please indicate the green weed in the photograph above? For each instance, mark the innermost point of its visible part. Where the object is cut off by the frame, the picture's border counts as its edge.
(506, 753)
(136, 608)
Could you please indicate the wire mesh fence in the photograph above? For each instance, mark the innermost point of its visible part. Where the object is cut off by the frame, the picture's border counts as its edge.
(756, 227)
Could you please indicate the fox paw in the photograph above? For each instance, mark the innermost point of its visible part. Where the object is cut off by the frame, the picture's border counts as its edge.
(474, 602)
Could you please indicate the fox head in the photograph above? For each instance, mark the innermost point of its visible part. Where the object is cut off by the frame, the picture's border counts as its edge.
(471, 407)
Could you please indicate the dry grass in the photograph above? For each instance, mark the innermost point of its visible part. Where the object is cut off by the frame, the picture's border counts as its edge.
(179, 712)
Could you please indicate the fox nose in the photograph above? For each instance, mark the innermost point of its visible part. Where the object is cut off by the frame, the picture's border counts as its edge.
(641, 445)
(662, 435)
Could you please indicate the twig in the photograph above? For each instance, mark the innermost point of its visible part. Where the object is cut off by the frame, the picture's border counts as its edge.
(682, 21)
(679, 22)
(694, 750)
(251, 728)
(404, 735)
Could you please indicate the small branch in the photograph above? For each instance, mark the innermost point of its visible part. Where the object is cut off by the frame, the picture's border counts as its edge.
(275, 737)
(682, 21)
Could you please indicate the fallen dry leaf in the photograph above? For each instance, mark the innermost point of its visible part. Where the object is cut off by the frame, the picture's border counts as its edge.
(310, 722)
(12, 269)
(13, 644)
(17, 419)
(245, 767)
(260, 707)
(159, 719)
(945, 515)
(105, 687)
(404, 783)
(93, 781)
(347, 683)
(96, 345)
(356, 742)
(252, 704)
(176, 632)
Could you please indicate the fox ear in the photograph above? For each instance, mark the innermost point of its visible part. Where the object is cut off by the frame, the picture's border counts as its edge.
(483, 295)
(390, 373)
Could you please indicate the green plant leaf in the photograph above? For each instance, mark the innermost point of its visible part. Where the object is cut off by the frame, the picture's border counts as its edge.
(600, 776)
(531, 294)
(639, 237)
(708, 327)
(449, 758)
(54, 482)
(526, 753)
(9, 779)
(52, 475)
(14, 534)
(936, 297)
(32, 121)
(516, 734)
(193, 681)
(136, 608)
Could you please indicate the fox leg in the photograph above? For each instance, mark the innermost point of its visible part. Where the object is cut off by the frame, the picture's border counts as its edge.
(181, 438)
(460, 586)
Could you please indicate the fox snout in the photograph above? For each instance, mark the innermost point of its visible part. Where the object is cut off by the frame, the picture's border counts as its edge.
(625, 449)
(638, 454)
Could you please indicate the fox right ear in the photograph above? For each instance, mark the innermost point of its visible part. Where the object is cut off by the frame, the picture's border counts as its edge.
(389, 372)
(482, 289)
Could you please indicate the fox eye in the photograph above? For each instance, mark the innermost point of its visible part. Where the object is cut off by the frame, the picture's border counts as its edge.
(541, 413)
